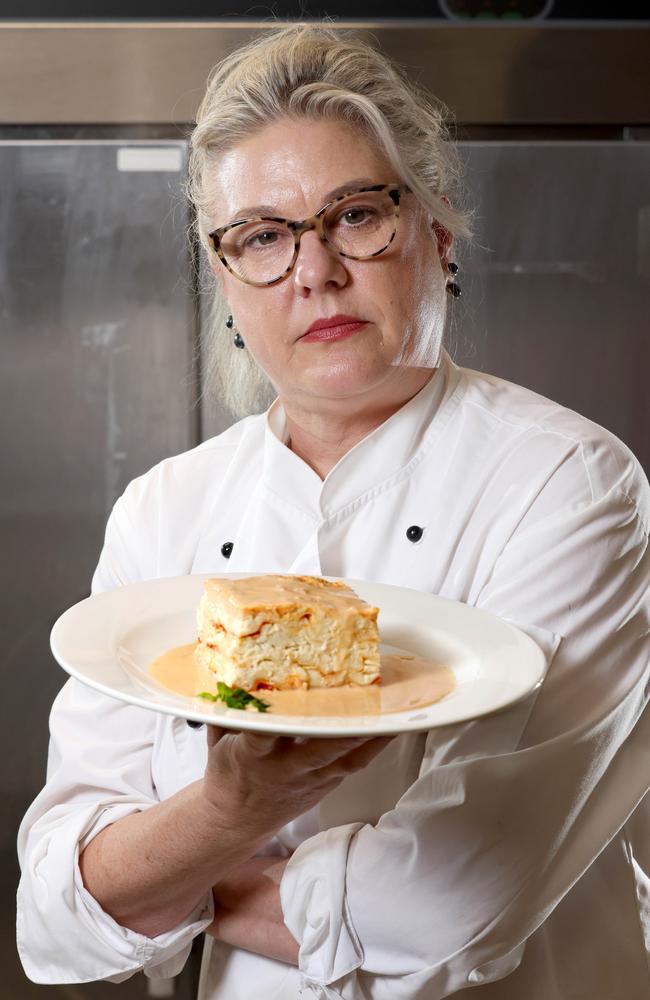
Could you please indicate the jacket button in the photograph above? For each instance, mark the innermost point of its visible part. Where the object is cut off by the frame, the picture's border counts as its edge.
(226, 550)
(414, 533)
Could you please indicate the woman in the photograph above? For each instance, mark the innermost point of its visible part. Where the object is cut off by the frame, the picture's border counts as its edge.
(504, 855)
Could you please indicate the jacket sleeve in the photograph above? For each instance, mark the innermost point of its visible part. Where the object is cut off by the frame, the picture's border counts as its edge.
(99, 770)
(509, 811)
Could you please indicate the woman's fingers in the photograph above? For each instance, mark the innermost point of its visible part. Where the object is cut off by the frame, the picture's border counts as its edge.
(216, 733)
(356, 758)
(320, 753)
(301, 754)
(263, 781)
(264, 744)
(329, 776)
(363, 755)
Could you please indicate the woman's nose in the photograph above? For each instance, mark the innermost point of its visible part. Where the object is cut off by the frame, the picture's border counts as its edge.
(318, 264)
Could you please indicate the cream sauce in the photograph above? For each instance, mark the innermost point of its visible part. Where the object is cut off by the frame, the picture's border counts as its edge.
(407, 682)
(249, 594)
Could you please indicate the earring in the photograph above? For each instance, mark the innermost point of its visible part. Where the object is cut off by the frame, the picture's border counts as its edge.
(238, 341)
(452, 287)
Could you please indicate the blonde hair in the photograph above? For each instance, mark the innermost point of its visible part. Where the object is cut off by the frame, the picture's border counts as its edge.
(312, 71)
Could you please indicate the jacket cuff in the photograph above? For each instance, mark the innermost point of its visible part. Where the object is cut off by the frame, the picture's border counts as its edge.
(80, 942)
(315, 909)
(161, 957)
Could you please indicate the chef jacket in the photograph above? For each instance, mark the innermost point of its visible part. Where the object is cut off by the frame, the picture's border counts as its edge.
(502, 858)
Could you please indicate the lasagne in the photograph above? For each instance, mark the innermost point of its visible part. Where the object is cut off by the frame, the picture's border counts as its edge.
(281, 631)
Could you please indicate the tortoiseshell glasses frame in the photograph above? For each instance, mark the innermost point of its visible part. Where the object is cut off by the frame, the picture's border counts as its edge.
(317, 222)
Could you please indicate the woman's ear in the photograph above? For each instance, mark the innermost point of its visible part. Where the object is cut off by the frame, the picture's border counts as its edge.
(444, 237)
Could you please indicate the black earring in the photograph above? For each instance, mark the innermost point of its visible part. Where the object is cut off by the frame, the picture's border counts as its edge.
(452, 287)
(238, 341)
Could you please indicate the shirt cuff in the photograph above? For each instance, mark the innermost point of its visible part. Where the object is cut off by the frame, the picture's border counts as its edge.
(315, 909)
(64, 935)
(161, 957)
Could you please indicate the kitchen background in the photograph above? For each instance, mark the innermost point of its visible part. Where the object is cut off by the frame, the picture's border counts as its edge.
(100, 305)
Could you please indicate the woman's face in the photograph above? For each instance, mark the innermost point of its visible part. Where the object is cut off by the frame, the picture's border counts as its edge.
(292, 165)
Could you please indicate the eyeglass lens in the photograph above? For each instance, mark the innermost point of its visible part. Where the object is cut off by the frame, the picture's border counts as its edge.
(359, 225)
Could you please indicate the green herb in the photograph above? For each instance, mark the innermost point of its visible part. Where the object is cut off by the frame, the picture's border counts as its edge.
(234, 697)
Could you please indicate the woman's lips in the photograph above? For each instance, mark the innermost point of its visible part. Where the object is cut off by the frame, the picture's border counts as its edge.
(334, 332)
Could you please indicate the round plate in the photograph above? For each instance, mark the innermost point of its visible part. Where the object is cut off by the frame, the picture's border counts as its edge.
(108, 641)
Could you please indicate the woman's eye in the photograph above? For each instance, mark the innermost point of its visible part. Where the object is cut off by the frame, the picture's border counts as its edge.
(355, 216)
(263, 238)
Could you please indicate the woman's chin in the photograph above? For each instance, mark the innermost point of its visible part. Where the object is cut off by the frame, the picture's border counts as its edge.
(342, 379)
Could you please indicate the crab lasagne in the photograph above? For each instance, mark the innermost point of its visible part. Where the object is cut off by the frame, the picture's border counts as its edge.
(280, 631)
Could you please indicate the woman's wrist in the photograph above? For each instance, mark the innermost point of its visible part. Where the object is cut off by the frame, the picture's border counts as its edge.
(235, 825)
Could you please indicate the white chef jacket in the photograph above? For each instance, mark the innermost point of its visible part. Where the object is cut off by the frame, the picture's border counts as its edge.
(509, 855)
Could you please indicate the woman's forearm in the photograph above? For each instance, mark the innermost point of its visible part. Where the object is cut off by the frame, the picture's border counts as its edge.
(248, 912)
(150, 869)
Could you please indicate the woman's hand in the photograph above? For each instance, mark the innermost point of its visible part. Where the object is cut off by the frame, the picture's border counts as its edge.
(259, 783)
(150, 869)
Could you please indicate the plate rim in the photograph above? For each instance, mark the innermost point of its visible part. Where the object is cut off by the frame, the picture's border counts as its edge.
(327, 726)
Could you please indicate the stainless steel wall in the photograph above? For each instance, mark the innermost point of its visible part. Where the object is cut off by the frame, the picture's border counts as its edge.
(557, 293)
(144, 72)
(97, 382)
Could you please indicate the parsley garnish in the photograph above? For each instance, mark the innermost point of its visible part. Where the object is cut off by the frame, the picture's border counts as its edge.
(234, 697)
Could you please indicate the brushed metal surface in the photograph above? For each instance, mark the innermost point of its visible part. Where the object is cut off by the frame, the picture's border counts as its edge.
(148, 72)
(97, 384)
(556, 292)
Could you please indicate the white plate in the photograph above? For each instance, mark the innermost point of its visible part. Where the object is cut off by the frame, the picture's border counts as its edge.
(108, 641)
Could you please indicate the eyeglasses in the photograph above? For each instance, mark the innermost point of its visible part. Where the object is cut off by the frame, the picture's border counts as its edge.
(359, 224)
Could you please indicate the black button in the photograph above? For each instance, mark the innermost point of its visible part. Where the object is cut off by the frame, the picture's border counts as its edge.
(226, 550)
(195, 725)
(414, 533)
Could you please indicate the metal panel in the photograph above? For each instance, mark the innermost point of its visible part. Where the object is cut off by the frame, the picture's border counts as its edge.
(556, 296)
(492, 73)
(97, 384)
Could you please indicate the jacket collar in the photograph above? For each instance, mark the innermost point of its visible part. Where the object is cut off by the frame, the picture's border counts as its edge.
(388, 451)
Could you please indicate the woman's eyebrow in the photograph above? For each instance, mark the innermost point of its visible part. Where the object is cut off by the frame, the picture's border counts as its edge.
(244, 213)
